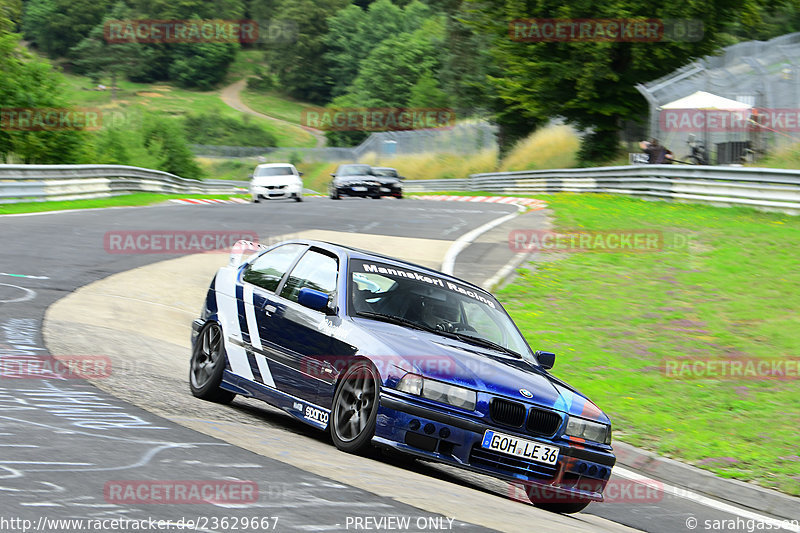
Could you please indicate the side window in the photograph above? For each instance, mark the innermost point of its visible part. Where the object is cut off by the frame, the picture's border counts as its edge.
(267, 270)
(315, 271)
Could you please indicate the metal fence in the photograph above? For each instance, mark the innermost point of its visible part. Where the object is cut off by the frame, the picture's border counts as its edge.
(40, 183)
(464, 138)
(763, 188)
(765, 75)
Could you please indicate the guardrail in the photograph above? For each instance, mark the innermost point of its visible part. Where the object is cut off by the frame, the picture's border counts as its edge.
(40, 183)
(764, 188)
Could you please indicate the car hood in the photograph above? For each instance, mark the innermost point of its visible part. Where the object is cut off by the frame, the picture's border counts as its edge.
(355, 179)
(272, 180)
(479, 368)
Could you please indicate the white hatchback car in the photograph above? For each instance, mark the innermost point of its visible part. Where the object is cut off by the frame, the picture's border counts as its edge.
(272, 181)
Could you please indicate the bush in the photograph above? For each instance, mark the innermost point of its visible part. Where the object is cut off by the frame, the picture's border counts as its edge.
(263, 81)
(219, 130)
(548, 147)
(437, 166)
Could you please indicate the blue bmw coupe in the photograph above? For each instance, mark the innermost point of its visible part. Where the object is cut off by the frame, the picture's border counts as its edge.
(382, 352)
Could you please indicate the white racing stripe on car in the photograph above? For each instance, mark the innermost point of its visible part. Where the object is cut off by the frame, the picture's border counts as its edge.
(229, 318)
(255, 338)
(250, 314)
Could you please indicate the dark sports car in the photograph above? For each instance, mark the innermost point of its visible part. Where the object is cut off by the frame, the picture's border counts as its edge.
(354, 180)
(378, 351)
(390, 180)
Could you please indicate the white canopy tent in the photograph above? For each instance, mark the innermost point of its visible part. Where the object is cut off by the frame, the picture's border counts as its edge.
(705, 102)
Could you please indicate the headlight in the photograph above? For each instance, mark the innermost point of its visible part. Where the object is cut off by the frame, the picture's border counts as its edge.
(438, 391)
(593, 431)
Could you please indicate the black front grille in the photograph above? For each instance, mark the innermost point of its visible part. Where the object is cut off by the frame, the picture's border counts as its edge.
(490, 459)
(541, 422)
(507, 413)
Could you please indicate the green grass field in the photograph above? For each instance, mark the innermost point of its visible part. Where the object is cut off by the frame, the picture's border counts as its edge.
(126, 200)
(615, 318)
(135, 98)
(274, 105)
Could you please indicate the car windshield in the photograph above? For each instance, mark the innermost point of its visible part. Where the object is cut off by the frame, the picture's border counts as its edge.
(355, 171)
(385, 172)
(273, 171)
(420, 299)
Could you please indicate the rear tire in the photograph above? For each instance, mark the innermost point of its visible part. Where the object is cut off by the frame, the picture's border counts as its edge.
(298, 198)
(256, 200)
(207, 366)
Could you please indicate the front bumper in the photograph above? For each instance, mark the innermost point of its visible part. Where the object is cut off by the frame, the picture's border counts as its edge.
(359, 190)
(276, 192)
(580, 473)
(396, 192)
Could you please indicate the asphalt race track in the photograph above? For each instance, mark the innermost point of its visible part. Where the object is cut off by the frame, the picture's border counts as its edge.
(66, 443)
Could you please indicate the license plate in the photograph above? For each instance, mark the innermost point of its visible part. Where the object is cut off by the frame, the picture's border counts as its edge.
(359, 189)
(526, 449)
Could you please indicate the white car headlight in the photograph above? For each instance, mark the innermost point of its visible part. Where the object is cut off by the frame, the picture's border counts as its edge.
(438, 391)
(586, 429)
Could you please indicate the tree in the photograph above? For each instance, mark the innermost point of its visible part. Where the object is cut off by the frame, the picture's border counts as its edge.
(301, 65)
(201, 65)
(353, 33)
(590, 84)
(94, 56)
(165, 140)
(28, 82)
(55, 26)
(390, 71)
(426, 93)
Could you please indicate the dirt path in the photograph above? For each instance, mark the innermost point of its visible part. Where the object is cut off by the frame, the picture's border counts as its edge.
(230, 95)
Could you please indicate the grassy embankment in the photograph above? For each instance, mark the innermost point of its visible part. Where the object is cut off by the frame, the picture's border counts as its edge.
(616, 318)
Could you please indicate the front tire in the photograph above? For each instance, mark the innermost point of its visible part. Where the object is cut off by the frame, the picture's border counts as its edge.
(207, 366)
(355, 408)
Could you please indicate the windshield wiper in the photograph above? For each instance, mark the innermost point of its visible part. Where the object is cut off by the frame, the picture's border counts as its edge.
(397, 320)
(485, 342)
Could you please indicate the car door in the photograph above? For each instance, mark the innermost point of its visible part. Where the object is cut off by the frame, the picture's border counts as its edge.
(300, 338)
(254, 295)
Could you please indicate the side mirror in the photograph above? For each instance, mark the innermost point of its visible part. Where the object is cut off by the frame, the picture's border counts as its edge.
(300, 173)
(333, 175)
(401, 177)
(546, 359)
(250, 176)
(313, 299)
